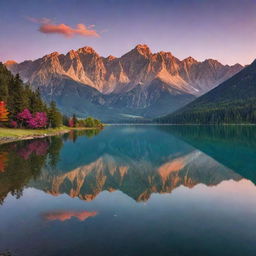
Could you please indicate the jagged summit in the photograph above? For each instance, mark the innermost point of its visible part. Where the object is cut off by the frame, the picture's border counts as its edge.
(86, 50)
(111, 57)
(212, 62)
(72, 54)
(51, 55)
(190, 60)
(168, 54)
(142, 49)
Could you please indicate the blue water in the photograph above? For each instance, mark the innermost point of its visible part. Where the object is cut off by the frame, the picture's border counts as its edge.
(131, 190)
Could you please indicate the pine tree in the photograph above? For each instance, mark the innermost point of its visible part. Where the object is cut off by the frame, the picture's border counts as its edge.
(18, 100)
(36, 104)
(5, 77)
(54, 116)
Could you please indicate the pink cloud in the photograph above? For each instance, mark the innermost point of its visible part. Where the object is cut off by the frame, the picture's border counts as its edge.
(47, 26)
(68, 31)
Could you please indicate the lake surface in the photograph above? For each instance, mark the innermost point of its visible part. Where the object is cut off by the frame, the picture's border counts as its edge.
(131, 191)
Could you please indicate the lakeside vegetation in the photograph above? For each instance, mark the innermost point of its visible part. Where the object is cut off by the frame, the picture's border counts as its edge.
(24, 113)
(88, 122)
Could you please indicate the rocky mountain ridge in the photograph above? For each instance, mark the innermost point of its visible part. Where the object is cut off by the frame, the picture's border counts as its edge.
(139, 66)
(138, 83)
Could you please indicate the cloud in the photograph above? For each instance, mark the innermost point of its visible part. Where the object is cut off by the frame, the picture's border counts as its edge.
(48, 27)
(68, 31)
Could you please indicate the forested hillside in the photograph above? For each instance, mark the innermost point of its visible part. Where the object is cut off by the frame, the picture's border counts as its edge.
(233, 101)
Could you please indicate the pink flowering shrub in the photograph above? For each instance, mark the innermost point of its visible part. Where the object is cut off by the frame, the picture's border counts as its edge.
(71, 122)
(24, 115)
(38, 120)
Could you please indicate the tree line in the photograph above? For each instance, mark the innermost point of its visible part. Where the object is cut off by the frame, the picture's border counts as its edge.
(235, 112)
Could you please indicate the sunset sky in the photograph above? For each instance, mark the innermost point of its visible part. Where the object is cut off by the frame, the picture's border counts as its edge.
(220, 29)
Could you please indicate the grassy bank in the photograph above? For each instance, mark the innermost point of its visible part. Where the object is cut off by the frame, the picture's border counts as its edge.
(11, 132)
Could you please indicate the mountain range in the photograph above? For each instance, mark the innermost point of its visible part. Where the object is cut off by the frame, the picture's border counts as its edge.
(233, 101)
(138, 85)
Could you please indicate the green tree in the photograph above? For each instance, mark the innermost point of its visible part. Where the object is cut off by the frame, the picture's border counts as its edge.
(89, 122)
(54, 116)
(35, 102)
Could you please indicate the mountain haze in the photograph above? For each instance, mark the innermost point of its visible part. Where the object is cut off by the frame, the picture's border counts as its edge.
(140, 83)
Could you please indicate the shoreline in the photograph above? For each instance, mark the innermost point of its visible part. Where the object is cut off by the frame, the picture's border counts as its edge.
(26, 134)
(9, 139)
(23, 134)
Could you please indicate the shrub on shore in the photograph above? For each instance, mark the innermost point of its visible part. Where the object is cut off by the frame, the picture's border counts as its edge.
(89, 122)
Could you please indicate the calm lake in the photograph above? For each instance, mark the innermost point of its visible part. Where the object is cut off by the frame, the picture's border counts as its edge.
(131, 191)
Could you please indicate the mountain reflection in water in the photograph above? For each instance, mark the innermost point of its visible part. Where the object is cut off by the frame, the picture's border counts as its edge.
(136, 160)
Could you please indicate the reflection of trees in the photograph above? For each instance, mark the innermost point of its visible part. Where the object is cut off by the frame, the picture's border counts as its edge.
(55, 146)
(227, 134)
(91, 133)
(73, 134)
(38, 147)
(23, 161)
(3, 160)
